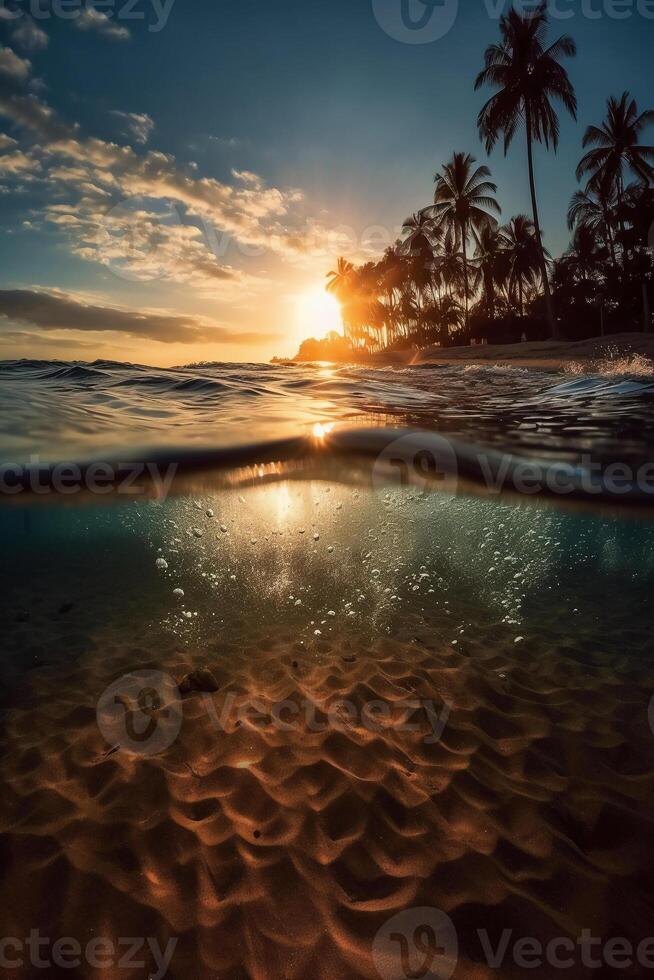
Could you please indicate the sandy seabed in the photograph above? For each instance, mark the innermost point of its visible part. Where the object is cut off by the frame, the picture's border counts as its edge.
(272, 851)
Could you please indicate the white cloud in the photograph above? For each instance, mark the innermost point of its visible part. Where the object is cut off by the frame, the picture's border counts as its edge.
(17, 163)
(29, 112)
(247, 177)
(91, 19)
(27, 34)
(137, 124)
(226, 142)
(119, 202)
(6, 142)
(13, 66)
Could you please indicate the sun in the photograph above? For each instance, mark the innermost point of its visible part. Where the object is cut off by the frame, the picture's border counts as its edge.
(318, 313)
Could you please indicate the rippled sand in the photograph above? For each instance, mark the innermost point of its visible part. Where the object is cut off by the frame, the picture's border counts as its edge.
(274, 853)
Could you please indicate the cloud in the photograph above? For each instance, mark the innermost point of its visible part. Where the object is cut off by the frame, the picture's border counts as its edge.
(116, 195)
(17, 163)
(27, 34)
(30, 113)
(14, 338)
(6, 142)
(247, 177)
(91, 19)
(226, 142)
(14, 67)
(54, 310)
(137, 124)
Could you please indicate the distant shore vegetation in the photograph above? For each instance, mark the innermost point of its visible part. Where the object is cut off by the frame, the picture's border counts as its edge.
(461, 274)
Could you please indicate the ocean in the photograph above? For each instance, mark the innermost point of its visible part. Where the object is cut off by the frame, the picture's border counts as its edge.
(355, 678)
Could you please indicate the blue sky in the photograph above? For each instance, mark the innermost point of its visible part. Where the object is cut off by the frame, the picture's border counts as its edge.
(200, 179)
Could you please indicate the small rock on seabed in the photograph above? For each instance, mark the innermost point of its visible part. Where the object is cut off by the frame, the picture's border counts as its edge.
(199, 680)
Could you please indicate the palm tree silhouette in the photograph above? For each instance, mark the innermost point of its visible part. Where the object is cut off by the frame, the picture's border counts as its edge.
(529, 78)
(490, 265)
(340, 285)
(586, 256)
(588, 209)
(522, 256)
(617, 149)
(463, 198)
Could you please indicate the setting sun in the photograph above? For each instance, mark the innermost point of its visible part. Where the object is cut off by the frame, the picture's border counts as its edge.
(318, 313)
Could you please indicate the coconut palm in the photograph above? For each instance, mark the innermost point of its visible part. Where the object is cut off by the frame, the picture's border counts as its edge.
(340, 278)
(446, 315)
(340, 282)
(462, 202)
(587, 255)
(490, 265)
(448, 264)
(419, 229)
(522, 256)
(529, 79)
(617, 149)
(589, 209)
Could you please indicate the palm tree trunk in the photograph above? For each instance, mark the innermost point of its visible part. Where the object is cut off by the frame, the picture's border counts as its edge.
(620, 192)
(646, 314)
(549, 306)
(609, 233)
(464, 245)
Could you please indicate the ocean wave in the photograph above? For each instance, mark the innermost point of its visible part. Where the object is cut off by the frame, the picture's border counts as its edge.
(70, 410)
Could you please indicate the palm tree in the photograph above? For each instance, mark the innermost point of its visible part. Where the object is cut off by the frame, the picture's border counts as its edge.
(529, 77)
(340, 285)
(617, 149)
(340, 278)
(463, 198)
(589, 209)
(446, 314)
(490, 265)
(587, 255)
(522, 256)
(419, 229)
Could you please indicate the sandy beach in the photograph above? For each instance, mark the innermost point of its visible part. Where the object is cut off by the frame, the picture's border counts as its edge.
(583, 355)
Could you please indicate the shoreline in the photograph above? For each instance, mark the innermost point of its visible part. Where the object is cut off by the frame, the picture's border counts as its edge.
(550, 354)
